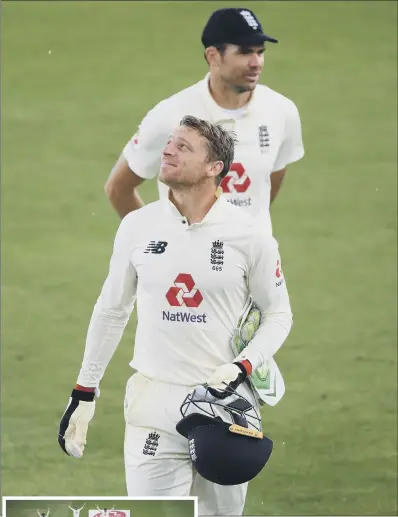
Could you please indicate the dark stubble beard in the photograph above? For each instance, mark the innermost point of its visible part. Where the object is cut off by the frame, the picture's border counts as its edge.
(242, 89)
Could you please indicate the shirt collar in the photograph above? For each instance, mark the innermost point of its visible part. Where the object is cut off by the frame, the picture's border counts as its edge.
(217, 113)
(212, 215)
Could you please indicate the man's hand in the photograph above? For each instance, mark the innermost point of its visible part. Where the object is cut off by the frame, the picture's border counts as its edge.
(226, 378)
(74, 423)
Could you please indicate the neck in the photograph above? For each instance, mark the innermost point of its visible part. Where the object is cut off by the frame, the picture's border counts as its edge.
(226, 95)
(194, 202)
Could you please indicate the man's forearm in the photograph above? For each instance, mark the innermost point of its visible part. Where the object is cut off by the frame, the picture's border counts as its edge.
(273, 196)
(121, 188)
(112, 310)
(104, 334)
(126, 202)
(276, 183)
(269, 337)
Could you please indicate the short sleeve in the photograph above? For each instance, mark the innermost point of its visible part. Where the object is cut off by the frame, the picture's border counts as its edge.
(144, 150)
(292, 148)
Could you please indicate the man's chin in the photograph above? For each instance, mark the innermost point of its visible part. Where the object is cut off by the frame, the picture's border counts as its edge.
(168, 179)
(248, 86)
(161, 178)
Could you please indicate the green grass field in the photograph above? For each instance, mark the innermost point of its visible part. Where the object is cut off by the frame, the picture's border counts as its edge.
(137, 508)
(66, 116)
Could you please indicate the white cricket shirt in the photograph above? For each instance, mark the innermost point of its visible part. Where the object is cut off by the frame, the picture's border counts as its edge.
(269, 138)
(105, 513)
(190, 283)
(76, 512)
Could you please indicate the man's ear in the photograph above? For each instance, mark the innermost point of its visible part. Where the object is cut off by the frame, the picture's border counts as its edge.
(214, 169)
(212, 56)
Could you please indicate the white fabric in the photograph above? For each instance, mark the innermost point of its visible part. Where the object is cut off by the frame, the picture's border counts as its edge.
(76, 512)
(234, 114)
(169, 471)
(76, 432)
(176, 343)
(267, 381)
(253, 164)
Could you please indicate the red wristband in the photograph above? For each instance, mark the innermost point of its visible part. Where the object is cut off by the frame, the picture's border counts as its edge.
(247, 365)
(83, 388)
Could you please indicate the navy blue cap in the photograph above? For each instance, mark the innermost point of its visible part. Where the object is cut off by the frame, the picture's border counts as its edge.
(222, 456)
(238, 26)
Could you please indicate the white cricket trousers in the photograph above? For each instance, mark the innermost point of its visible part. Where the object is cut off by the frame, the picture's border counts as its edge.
(156, 457)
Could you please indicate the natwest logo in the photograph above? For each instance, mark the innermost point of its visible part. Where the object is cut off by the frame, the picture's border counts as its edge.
(183, 292)
(184, 317)
(279, 274)
(236, 181)
(278, 271)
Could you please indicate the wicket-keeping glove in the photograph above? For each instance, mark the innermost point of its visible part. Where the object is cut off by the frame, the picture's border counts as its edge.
(226, 378)
(74, 423)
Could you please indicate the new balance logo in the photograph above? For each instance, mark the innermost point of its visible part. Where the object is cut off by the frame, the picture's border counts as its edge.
(156, 247)
(151, 444)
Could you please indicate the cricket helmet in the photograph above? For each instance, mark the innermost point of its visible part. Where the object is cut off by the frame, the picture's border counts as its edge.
(225, 437)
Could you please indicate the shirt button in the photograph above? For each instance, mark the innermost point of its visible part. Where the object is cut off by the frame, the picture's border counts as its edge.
(184, 221)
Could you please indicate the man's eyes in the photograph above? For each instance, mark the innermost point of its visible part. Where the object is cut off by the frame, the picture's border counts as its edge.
(180, 145)
(248, 51)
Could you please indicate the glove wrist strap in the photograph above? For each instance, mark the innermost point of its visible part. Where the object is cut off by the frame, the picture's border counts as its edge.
(84, 388)
(87, 396)
(245, 367)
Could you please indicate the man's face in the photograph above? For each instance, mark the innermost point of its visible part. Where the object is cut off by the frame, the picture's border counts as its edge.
(240, 67)
(184, 159)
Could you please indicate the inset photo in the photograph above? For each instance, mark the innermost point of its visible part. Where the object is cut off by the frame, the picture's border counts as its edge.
(98, 507)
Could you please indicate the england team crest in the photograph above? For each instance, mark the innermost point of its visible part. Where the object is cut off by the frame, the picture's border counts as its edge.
(264, 139)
